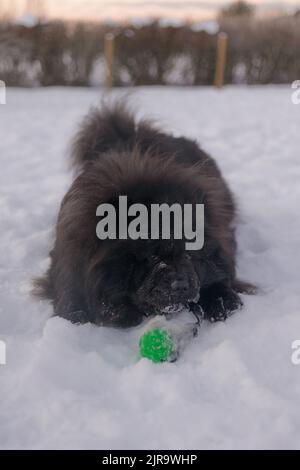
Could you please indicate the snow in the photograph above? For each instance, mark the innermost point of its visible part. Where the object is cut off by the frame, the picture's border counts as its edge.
(209, 26)
(235, 386)
(28, 19)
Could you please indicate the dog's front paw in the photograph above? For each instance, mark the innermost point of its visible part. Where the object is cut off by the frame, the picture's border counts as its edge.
(219, 302)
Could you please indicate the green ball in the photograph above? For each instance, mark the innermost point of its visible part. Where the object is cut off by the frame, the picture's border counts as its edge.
(156, 345)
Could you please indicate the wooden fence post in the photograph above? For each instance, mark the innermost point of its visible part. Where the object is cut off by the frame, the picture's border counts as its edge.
(221, 59)
(109, 43)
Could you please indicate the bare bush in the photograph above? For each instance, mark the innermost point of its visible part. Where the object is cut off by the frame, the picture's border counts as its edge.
(57, 53)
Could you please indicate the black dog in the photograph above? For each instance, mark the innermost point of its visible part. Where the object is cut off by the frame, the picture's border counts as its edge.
(118, 282)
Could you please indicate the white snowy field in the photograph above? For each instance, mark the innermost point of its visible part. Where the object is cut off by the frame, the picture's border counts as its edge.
(235, 386)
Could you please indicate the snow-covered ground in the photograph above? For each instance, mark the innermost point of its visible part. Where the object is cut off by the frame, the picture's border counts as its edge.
(235, 386)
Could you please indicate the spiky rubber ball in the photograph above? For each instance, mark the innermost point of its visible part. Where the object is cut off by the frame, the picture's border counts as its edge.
(157, 345)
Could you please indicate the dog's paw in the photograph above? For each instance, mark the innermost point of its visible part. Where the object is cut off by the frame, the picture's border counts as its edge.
(219, 302)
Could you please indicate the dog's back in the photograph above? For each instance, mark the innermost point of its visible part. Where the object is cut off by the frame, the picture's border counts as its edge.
(114, 128)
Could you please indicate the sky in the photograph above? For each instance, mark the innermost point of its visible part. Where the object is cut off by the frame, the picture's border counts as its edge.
(123, 9)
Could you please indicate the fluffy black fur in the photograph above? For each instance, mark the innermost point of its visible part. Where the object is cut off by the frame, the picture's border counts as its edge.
(118, 282)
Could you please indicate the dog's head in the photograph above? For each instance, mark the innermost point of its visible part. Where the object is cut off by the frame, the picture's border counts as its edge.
(149, 277)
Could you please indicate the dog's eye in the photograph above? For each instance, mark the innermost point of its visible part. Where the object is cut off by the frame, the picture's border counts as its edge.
(161, 265)
(154, 261)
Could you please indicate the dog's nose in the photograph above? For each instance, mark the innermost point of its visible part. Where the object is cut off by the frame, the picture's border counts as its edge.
(180, 286)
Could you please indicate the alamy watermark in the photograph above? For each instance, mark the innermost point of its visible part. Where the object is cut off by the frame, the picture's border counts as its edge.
(296, 94)
(162, 221)
(2, 353)
(295, 357)
(2, 92)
